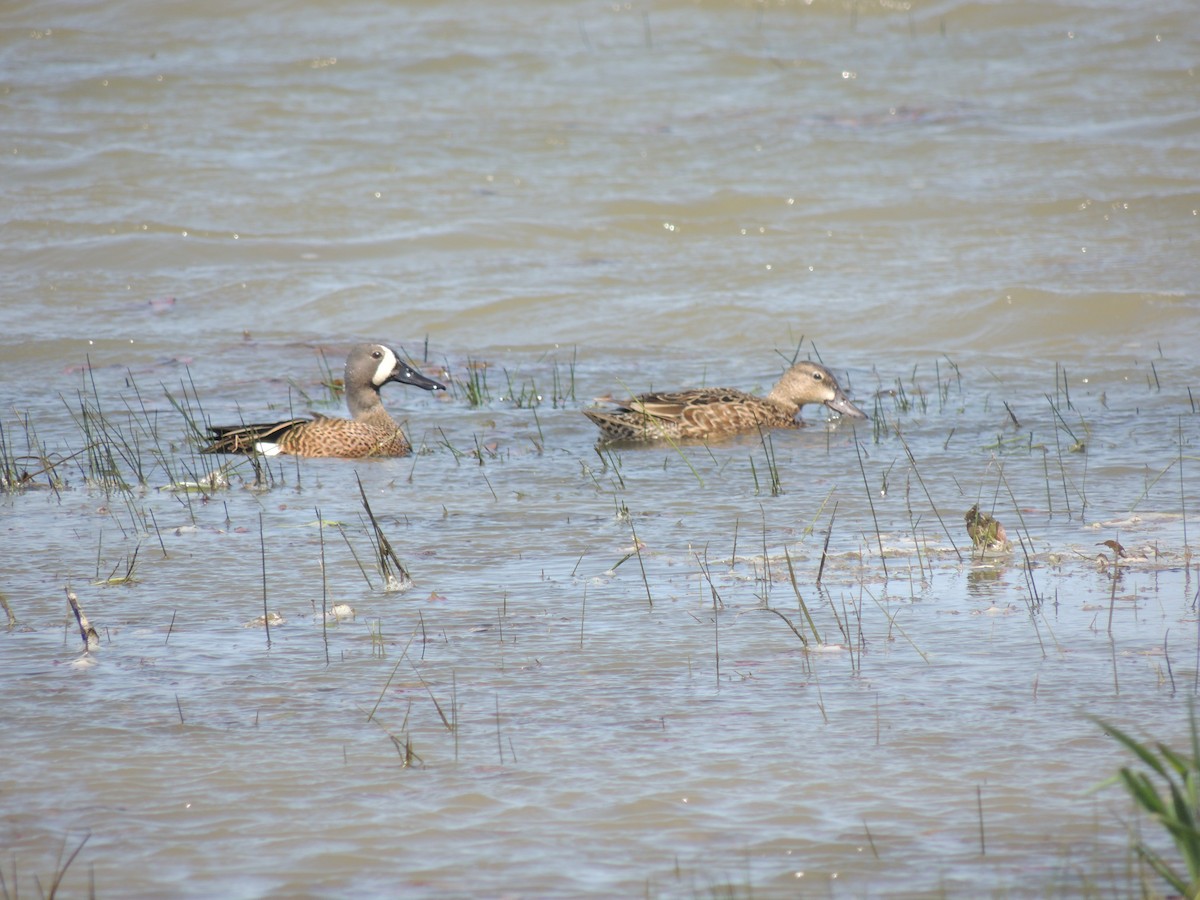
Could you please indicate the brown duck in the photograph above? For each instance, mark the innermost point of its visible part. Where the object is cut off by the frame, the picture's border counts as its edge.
(718, 412)
(370, 431)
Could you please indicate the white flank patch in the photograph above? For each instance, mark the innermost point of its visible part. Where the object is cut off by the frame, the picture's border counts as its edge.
(267, 448)
(386, 366)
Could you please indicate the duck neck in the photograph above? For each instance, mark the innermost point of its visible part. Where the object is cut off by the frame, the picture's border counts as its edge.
(776, 396)
(364, 403)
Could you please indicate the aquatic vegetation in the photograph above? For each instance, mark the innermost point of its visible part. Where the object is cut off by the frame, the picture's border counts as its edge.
(1176, 809)
(395, 577)
(15, 474)
(475, 387)
(520, 388)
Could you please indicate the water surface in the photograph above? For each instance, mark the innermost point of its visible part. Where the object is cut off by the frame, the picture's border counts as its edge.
(983, 218)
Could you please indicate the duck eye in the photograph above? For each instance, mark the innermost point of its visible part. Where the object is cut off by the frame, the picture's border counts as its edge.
(817, 376)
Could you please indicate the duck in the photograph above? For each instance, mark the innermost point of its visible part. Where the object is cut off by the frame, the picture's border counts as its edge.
(719, 412)
(370, 431)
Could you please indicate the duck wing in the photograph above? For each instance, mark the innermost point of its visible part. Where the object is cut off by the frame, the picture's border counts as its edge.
(680, 405)
(244, 438)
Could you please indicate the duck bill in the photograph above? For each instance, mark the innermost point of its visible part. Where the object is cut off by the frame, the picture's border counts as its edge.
(841, 404)
(406, 374)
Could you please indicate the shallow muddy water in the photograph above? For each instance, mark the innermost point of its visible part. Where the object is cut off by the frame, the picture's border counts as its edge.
(768, 666)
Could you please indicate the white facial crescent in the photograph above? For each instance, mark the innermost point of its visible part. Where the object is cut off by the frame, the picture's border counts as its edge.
(385, 368)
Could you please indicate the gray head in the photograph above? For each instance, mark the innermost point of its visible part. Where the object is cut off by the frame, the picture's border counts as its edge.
(370, 366)
(810, 382)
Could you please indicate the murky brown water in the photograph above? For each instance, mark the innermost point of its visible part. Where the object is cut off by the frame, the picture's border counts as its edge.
(983, 218)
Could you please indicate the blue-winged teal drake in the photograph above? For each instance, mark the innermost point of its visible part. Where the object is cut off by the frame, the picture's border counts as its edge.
(371, 431)
(718, 412)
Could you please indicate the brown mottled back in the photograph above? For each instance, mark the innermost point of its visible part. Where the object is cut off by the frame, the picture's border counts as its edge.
(718, 412)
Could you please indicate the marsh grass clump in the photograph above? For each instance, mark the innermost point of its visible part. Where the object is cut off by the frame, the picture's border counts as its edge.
(910, 400)
(1077, 444)
(122, 444)
(944, 386)
(475, 387)
(523, 391)
(1176, 809)
(191, 472)
(18, 472)
(118, 448)
(334, 386)
(563, 390)
(115, 576)
(11, 476)
(524, 397)
(102, 466)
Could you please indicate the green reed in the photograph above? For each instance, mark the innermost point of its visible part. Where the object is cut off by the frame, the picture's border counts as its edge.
(262, 546)
(828, 537)
(637, 547)
(124, 450)
(944, 386)
(800, 598)
(60, 872)
(871, 502)
(879, 428)
(524, 397)
(921, 481)
(334, 386)
(445, 442)
(540, 444)
(18, 472)
(1182, 503)
(11, 476)
(200, 474)
(395, 576)
(1176, 808)
(129, 576)
(476, 386)
(104, 446)
(790, 624)
(565, 391)
(768, 446)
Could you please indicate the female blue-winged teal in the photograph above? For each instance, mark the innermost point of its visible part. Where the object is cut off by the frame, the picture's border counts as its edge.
(718, 412)
(371, 431)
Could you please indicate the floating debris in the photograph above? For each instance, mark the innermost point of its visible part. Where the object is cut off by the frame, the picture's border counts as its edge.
(213, 481)
(985, 531)
(339, 611)
(993, 610)
(91, 639)
(272, 618)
